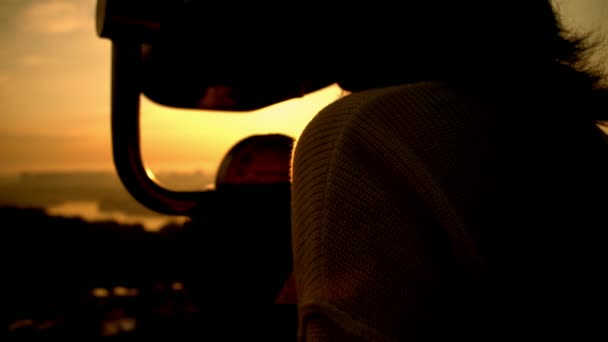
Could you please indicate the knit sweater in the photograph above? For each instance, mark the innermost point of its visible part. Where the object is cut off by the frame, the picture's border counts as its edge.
(407, 217)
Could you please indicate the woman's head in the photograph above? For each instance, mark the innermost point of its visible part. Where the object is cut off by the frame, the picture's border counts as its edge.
(512, 44)
(445, 39)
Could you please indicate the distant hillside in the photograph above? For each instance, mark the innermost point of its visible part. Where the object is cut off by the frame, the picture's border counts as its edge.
(44, 189)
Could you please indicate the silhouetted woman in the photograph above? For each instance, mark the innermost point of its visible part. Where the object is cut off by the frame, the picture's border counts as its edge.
(459, 193)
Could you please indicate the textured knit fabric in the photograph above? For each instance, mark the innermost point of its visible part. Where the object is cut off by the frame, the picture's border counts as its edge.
(403, 200)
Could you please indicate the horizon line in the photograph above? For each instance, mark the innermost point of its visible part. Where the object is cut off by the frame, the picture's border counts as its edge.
(60, 170)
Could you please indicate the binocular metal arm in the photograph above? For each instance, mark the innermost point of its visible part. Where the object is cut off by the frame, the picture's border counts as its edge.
(126, 147)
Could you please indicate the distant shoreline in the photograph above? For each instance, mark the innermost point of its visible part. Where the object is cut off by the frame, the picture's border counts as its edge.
(13, 172)
(91, 211)
(92, 194)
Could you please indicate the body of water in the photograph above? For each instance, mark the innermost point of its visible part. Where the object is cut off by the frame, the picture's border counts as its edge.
(89, 211)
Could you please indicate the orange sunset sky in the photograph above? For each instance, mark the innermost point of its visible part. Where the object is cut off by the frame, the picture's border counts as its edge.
(55, 96)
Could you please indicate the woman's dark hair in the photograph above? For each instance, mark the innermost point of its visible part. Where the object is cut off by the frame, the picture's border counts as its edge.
(519, 43)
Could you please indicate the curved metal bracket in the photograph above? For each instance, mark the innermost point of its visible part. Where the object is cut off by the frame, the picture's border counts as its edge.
(126, 148)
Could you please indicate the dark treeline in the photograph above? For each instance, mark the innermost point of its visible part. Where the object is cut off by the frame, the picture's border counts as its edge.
(55, 267)
(88, 254)
(182, 282)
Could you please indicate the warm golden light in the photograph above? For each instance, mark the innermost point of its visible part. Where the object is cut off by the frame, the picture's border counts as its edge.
(55, 95)
(150, 174)
(198, 139)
